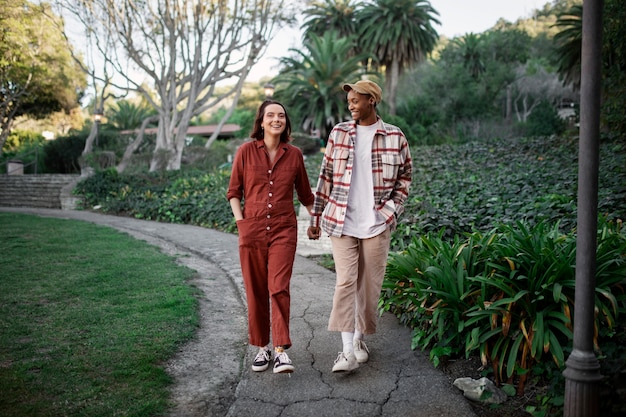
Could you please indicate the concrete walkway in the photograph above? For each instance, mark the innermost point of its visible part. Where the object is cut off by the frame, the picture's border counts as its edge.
(212, 372)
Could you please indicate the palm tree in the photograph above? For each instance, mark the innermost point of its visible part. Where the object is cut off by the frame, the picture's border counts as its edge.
(310, 83)
(569, 44)
(125, 115)
(336, 15)
(400, 34)
(470, 48)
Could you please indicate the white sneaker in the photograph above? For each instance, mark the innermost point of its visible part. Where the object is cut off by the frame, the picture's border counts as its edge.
(282, 363)
(345, 362)
(361, 352)
(262, 360)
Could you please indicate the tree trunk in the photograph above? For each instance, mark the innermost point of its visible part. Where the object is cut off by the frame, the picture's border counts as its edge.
(509, 104)
(5, 130)
(162, 149)
(93, 133)
(85, 169)
(132, 148)
(393, 74)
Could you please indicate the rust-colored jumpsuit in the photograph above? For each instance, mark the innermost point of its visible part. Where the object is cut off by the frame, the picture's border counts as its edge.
(268, 233)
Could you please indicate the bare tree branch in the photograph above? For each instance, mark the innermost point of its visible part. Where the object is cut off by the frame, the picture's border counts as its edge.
(183, 49)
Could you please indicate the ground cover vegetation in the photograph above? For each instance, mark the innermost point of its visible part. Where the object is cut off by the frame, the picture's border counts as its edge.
(88, 316)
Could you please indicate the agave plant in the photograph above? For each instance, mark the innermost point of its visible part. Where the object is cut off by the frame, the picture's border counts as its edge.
(508, 293)
(531, 296)
(430, 279)
(530, 303)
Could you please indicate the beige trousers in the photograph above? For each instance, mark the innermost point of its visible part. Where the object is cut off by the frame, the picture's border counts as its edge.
(360, 266)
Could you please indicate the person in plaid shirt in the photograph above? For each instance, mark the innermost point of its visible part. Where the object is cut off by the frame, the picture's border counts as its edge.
(363, 183)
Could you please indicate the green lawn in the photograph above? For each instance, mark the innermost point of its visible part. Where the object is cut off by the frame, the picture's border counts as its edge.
(88, 316)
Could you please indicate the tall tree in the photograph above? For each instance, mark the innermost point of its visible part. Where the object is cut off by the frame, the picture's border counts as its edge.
(470, 46)
(569, 43)
(568, 52)
(184, 48)
(37, 73)
(331, 15)
(310, 81)
(400, 34)
(614, 65)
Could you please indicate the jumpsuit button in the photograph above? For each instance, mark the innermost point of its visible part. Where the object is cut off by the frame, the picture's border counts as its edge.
(271, 194)
(269, 205)
(269, 171)
(268, 228)
(271, 182)
(268, 216)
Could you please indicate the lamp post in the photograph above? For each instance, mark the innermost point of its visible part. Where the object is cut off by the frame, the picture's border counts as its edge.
(582, 372)
(97, 118)
(269, 90)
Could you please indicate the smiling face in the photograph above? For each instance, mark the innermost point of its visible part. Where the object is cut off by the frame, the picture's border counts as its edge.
(274, 120)
(362, 108)
(271, 119)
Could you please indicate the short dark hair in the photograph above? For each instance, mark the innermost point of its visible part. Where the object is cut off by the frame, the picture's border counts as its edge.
(257, 130)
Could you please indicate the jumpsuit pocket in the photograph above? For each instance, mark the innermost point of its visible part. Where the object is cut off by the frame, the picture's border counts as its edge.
(247, 229)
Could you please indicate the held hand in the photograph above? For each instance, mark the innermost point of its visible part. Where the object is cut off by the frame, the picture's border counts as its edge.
(313, 232)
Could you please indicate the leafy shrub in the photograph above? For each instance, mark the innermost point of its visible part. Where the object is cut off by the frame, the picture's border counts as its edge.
(423, 117)
(527, 303)
(24, 146)
(97, 190)
(428, 286)
(545, 121)
(200, 158)
(190, 197)
(61, 155)
(507, 294)
(20, 140)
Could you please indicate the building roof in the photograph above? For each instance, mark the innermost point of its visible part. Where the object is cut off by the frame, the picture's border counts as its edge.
(228, 130)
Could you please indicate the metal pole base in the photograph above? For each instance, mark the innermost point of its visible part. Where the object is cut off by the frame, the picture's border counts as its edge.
(582, 377)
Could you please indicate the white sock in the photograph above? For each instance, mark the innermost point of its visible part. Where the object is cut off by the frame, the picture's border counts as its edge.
(348, 341)
(358, 335)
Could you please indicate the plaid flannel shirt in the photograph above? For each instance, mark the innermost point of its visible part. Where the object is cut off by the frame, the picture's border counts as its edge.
(391, 170)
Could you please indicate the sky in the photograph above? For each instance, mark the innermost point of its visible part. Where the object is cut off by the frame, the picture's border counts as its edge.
(457, 18)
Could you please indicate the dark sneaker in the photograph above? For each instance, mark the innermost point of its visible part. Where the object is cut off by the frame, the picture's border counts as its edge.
(262, 360)
(361, 352)
(282, 363)
(345, 362)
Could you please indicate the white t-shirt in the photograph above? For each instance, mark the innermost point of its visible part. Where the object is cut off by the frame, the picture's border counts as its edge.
(362, 219)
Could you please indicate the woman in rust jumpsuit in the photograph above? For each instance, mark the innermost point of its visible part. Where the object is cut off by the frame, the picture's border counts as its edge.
(265, 172)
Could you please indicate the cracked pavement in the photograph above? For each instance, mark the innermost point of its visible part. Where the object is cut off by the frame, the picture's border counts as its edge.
(212, 375)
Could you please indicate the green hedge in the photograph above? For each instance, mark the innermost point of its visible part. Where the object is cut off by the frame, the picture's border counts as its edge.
(189, 197)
